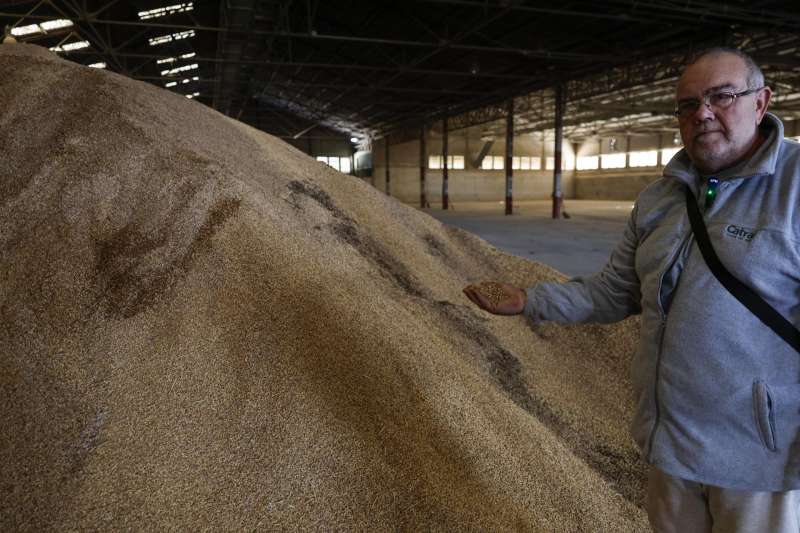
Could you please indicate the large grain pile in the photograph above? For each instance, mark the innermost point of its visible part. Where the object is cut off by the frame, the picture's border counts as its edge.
(203, 328)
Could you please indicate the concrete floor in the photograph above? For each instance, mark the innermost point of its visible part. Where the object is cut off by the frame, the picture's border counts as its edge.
(576, 246)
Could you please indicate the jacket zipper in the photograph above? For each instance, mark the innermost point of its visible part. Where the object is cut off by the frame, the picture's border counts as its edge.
(663, 314)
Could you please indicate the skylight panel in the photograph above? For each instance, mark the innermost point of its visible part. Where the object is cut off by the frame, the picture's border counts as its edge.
(166, 10)
(174, 59)
(77, 45)
(154, 41)
(101, 64)
(176, 70)
(19, 31)
(51, 25)
(44, 27)
(182, 82)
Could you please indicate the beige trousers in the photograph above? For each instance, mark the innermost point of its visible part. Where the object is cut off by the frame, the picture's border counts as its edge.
(675, 505)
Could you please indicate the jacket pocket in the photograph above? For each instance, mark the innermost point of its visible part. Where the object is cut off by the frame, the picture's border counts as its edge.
(764, 414)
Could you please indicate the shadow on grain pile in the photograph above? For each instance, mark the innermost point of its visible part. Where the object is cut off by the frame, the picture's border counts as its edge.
(204, 328)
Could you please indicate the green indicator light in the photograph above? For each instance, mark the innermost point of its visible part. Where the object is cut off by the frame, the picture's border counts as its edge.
(711, 191)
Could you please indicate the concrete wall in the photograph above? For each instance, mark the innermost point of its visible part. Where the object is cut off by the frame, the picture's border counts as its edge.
(613, 185)
(472, 183)
(471, 186)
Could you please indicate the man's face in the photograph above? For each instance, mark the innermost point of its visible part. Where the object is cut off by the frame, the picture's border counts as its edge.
(714, 138)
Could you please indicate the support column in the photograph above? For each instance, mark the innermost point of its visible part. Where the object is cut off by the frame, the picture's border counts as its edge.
(423, 165)
(509, 156)
(388, 182)
(627, 151)
(559, 133)
(445, 198)
(659, 156)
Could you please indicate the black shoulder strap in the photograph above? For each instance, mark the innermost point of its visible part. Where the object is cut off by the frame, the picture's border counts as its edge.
(752, 301)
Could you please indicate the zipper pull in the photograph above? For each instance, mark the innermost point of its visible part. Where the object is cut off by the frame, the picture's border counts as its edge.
(711, 192)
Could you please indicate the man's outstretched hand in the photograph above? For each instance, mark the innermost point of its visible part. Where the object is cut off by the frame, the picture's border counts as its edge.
(497, 298)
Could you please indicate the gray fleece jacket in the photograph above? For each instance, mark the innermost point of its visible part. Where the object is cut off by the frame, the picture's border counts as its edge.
(717, 393)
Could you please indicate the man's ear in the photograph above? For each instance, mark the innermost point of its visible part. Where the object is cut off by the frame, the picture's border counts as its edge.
(762, 102)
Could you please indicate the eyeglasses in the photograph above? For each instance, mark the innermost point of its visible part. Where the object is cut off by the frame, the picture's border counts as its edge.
(719, 100)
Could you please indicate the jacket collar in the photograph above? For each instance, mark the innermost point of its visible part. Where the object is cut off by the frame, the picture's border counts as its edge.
(763, 160)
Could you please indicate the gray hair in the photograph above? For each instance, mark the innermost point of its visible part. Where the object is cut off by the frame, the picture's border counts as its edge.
(755, 78)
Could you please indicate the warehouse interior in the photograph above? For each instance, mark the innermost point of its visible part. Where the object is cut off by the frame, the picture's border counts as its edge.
(232, 291)
(344, 82)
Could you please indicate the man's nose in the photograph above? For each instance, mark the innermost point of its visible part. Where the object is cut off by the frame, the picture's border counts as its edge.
(703, 113)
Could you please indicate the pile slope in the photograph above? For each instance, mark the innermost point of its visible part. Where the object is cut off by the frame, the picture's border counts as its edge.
(202, 327)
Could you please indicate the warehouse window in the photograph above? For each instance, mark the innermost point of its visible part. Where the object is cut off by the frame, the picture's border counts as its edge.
(588, 162)
(536, 163)
(567, 163)
(455, 162)
(644, 159)
(341, 164)
(667, 154)
(493, 162)
(612, 160)
(524, 163)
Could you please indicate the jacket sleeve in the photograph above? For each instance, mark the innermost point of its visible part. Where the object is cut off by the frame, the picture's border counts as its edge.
(608, 296)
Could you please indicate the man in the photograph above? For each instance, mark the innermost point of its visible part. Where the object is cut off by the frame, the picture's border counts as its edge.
(717, 393)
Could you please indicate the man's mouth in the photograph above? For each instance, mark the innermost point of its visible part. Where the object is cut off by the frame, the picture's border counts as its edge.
(705, 134)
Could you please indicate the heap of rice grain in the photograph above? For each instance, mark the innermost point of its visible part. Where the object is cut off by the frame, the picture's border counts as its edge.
(203, 328)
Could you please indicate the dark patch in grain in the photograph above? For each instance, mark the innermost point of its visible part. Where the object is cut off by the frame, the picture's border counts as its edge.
(317, 194)
(624, 473)
(435, 246)
(118, 257)
(376, 253)
(130, 283)
(217, 215)
(345, 229)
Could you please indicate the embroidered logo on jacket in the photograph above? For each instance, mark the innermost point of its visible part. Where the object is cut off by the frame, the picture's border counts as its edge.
(743, 234)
